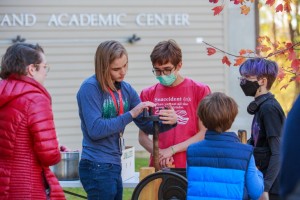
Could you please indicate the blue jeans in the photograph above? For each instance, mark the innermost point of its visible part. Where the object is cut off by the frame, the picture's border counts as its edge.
(101, 180)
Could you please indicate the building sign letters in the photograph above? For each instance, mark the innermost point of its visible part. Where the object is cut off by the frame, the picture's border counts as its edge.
(96, 20)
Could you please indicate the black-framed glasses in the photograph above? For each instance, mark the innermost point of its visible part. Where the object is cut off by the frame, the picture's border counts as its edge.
(243, 79)
(46, 66)
(158, 72)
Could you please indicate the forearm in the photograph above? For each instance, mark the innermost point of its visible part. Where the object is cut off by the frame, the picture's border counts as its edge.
(180, 147)
(99, 128)
(254, 180)
(274, 164)
(145, 141)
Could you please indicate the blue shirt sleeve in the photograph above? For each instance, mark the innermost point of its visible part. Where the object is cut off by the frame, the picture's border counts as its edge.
(254, 180)
(143, 124)
(90, 99)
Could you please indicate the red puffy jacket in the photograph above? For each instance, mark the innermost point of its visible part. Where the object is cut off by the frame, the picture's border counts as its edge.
(28, 143)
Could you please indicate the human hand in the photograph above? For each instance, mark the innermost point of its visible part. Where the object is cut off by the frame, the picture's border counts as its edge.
(167, 162)
(168, 115)
(264, 196)
(139, 108)
(63, 148)
(165, 153)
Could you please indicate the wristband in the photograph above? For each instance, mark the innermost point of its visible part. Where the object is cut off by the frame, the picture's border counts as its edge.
(173, 150)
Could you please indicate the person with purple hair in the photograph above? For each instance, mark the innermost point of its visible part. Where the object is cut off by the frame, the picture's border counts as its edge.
(257, 78)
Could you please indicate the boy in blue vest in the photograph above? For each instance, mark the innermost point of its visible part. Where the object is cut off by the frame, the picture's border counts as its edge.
(220, 166)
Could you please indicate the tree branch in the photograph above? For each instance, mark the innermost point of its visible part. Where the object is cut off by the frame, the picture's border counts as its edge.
(238, 56)
(283, 50)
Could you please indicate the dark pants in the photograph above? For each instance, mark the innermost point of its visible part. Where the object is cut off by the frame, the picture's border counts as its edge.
(101, 180)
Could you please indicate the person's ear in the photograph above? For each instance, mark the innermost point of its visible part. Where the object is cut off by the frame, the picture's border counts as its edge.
(31, 70)
(179, 65)
(263, 81)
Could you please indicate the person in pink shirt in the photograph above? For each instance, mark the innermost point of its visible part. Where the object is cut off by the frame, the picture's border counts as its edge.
(184, 95)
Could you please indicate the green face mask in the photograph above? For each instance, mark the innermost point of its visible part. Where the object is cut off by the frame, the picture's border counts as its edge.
(166, 80)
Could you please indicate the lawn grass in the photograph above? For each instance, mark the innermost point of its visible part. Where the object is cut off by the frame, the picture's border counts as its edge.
(127, 192)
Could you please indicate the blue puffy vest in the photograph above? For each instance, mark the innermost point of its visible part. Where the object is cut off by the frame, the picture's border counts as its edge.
(216, 167)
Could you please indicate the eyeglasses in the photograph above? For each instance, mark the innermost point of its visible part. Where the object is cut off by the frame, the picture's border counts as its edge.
(158, 72)
(46, 67)
(243, 79)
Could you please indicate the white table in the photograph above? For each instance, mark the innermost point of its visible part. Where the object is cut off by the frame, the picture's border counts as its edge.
(129, 183)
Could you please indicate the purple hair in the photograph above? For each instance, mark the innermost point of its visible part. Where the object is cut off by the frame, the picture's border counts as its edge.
(260, 67)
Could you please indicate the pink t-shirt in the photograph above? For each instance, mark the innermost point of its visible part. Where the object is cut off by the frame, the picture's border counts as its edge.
(184, 98)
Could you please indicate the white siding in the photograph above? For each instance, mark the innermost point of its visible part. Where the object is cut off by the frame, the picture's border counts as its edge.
(70, 50)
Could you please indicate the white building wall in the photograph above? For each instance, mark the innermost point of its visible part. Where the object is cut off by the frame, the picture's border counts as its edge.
(241, 35)
(70, 48)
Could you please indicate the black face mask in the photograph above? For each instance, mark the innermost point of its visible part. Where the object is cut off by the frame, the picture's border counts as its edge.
(249, 87)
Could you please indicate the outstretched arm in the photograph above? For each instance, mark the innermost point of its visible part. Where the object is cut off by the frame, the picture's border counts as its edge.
(180, 147)
(254, 181)
(145, 141)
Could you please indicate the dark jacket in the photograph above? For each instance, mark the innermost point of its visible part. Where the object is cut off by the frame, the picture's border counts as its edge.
(265, 137)
(290, 162)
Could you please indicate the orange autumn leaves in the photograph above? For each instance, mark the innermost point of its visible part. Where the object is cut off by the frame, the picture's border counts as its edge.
(284, 51)
(225, 60)
(281, 6)
(244, 8)
(285, 6)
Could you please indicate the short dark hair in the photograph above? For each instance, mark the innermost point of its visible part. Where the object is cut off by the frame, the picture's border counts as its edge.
(166, 51)
(217, 111)
(260, 67)
(18, 56)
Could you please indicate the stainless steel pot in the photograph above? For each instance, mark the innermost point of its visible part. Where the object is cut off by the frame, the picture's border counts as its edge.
(67, 168)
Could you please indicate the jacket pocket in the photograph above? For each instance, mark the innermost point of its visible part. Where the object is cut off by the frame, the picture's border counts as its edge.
(262, 157)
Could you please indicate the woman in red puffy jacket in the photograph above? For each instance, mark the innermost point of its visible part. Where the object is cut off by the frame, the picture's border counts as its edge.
(28, 142)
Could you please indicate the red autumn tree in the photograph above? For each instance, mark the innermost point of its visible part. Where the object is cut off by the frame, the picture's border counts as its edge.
(284, 51)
